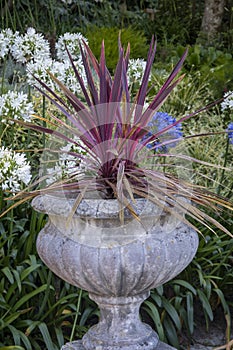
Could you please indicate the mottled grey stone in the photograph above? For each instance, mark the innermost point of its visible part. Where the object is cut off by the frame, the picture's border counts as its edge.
(120, 326)
(116, 263)
(61, 205)
(77, 345)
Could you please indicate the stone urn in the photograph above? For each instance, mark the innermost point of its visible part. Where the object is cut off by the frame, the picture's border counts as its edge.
(117, 262)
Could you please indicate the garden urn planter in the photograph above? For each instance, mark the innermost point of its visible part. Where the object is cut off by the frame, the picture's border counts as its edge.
(117, 262)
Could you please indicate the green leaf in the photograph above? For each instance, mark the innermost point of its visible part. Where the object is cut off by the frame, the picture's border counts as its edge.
(13, 347)
(208, 288)
(20, 336)
(159, 290)
(201, 278)
(28, 270)
(157, 298)
(186, 285)
(25, 298)
(46, 336)
(46, 296)
(171, 333)
(190, 312)
(58, 303)
(173, 313)
(32, 326)
(85, 314)
(60, 337)
(223, 300)
(2, 229)
(205, 304)
(12, 290)
(154, 314)
(8, 274)
(177, 303)
(11, 318)
(18, 280)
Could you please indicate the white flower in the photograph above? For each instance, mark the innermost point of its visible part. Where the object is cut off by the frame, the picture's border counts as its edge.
(67, 76)
(72, 41)
(228, 102)
(15, 171)
(61, 70)
(136, 70)
(14, 105)
(6, 41)
(39, 70)
(30, 46)
(67, 164)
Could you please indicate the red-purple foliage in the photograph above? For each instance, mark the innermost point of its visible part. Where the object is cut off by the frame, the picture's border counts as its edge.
(112, 129)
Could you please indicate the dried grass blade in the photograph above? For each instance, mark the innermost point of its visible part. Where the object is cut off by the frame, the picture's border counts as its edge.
(75, 205)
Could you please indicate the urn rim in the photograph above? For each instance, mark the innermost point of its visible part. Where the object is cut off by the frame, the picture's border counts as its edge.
(96, 207)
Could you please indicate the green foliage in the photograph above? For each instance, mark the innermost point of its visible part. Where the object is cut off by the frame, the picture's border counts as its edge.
(173, 22)
(170, 21)
(49, 17)
(215, 64)
(189, 95)
(37, 309)
(137, 39)
(208, 64)
(53, 17)
(171, 309)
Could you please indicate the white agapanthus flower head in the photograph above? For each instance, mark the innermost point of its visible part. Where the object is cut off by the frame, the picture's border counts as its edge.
(15, 105)
(228, 102)
(30, 46)
(15, 170)
(136, 70)
(67, 164)
(63, 71)
(6, 41)
(39, 69)
(72, 41)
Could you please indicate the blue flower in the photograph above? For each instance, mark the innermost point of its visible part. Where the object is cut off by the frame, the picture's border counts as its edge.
(160, 121)
(230, 132)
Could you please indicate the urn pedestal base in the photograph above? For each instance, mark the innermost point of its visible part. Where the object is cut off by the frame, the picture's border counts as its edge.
(77, 345)
(119, 327)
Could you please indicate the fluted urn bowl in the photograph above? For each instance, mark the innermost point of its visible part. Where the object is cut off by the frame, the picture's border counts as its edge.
(116, 260)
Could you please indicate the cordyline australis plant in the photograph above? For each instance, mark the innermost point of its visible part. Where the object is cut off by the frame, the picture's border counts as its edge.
(112, 132)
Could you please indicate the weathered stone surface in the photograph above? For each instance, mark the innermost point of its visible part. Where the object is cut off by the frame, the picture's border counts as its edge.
(119, 326)
(116, 263)
(96, 208)
(118, 270)
(77, 345)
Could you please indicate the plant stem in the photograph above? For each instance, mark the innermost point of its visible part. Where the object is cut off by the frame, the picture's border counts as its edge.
(224, 165)
(1, 200)
(3, 75)
(11, 225)
(76, 315)
(44, 123)
(2, 132)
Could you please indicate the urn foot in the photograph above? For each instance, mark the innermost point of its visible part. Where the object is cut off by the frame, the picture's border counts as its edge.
(120, 327)
(77, 345)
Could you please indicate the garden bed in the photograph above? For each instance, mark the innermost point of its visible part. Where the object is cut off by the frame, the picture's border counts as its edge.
(213, 338)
